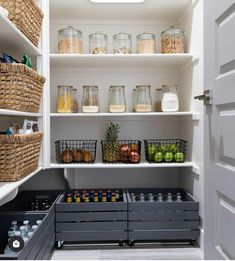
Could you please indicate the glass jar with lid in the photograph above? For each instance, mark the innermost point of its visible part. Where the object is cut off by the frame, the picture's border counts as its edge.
(143, 101)
(170, 100)
(159, 100)
(90, 99)
(122, 43)
(117, 100)
(173, 40)
(146, 43)
(98, 43)
(64, 99)
(70, 41)
(74, 101)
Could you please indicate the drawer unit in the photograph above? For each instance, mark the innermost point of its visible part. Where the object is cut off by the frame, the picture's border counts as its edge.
(91, 222)
(165, 221)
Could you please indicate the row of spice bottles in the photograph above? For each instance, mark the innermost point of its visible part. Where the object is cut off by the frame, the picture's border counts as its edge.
(70, 41)
(167, 99)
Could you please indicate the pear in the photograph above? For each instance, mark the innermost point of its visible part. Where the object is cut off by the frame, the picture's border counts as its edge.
(67, 156)
(78, 155)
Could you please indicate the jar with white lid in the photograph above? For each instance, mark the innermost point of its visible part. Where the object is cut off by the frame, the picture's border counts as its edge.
(170, 100)
(90, 99)
(143, 102)
(70, 41)
(117, 100)
(98, 43)
(146, 43)
(122, 43)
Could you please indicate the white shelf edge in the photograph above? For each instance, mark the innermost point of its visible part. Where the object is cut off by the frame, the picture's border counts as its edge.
(19, 113)
(7, 187)
(121, 166)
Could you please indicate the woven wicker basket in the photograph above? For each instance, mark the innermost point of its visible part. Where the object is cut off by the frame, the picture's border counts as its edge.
(19, 155)
(20, 88)
(27, 17)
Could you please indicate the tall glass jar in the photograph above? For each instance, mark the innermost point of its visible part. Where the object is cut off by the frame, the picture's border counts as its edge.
(70, 41)
(74, 101)
(117, 100)
(173, 40)
(159, 100)
(170, 100)
(90, 99)
(134, 99)
(146, 43)
(122, 43)
(143, 98)
(64, 99)
(98, 43)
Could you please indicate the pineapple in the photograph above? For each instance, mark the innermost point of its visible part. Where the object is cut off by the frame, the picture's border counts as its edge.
(111, 146)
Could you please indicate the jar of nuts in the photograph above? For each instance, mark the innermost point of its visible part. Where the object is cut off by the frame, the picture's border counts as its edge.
(146, 43)
(98, 43)
(122, 43)
(70, 41)
(173, 40)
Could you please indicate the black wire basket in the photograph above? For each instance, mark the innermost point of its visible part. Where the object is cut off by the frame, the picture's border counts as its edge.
(122, 151)
(75, 151)
(165, 150)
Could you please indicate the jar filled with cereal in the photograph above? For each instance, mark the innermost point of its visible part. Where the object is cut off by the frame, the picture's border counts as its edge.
(98, 43)
(173, 40)
(146, 43)
(70, 41)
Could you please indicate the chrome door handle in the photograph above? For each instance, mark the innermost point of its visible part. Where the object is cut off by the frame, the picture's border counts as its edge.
(206, 97)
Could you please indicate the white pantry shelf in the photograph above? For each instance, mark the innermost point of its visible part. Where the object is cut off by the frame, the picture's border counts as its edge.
(19, 113)
(13, 39)
(120, 60)
(7, 187)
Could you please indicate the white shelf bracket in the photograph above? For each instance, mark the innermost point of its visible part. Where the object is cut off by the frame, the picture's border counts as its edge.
(196, 170)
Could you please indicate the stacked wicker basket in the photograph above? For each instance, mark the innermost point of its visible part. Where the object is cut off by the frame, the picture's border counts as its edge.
(21, 89)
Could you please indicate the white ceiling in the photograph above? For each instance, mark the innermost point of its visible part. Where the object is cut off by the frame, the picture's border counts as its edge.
(149, 10)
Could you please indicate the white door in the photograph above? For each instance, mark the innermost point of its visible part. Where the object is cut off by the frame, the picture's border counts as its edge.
(219, 190)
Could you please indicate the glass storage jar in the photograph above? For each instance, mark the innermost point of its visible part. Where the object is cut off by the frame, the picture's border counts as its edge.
(159, 100)
(170, 100)
(90, 99)
(173, 40)
(70, 41)
(146, 43)
(98, 43)
(143, 99)
(134, 99)
(64, 99)
(122, 43)
(74, 101)
(117, 100)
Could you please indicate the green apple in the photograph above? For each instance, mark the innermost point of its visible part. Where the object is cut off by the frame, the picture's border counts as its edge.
(173, 148)
(158, 157)
(179, 157)
(151, 151)
(162, 148)
(168, 157)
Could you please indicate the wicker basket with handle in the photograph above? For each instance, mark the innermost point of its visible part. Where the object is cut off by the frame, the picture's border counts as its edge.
(20, 88)
(27, 17)
(19, 155)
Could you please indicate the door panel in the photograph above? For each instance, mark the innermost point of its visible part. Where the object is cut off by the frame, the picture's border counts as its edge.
(219, 139)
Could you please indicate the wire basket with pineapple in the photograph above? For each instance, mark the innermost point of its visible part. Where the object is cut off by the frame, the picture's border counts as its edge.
(119, 151)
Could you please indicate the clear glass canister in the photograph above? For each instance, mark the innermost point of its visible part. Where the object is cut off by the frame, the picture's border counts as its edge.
(117, 100)
(146, 43)
(70, 41)
(173, 40)
(134, 99)
(170, 100)
(98, 43)
(64, 99)
(122, 43)
(143, 98)
(159, 100)
(75, 100)
(90, 99)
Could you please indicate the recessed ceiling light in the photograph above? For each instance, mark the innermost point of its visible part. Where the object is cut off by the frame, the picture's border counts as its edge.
(118, 1)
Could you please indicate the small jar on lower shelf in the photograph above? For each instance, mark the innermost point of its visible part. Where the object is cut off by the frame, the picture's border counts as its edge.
(143, 102)
(90, 99)
(117, 100)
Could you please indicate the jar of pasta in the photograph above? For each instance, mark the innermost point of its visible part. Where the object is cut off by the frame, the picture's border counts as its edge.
(64, 99)
(146, 43)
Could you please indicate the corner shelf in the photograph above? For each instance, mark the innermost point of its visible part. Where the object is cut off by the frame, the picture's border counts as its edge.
(13, 38)
(19, 113)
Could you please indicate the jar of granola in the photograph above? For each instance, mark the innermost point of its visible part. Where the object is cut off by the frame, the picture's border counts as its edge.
(122, 43)
(173, 40)
(146, 43)
(98, 43)
(70, 41)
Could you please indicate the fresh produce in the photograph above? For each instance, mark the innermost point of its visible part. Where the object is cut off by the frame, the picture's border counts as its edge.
(134, 147)
(78, 155)
(168, 157)
(134, 157)
(162, 148)
(112, 147)
(158, 157)
(173, 148)
(87, 156)
(67, 156)
(179, 157)
(151, 151)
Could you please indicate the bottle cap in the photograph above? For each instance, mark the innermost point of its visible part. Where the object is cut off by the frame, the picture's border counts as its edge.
(25, 222)
(38, 222)
(34, 227)
(22, 228)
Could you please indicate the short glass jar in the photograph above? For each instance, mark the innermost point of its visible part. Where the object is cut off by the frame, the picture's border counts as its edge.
(64, 99)
(98, 43)
(143, 101)
(122, 43)
(70, 41)
(90, 99)
(74, 107)
(170, 100)
(146, 43)
(117, 100)
(158, 105)
(173, 40)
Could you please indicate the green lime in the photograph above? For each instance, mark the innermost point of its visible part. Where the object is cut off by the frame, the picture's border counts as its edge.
(158, 157)
(151, 151)
(169, 156)
(179, 157)
(162, 148)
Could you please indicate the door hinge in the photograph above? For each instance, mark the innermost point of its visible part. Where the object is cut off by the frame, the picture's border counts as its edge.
(206, 97)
